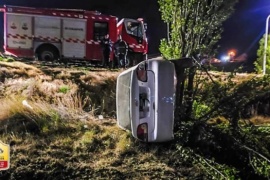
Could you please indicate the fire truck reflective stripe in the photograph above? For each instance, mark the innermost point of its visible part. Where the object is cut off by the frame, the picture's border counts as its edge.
(75, 41)
(93, 42)
(18, 36)
(67, 15)
(55, 39)
(136, 46)
(100, 18)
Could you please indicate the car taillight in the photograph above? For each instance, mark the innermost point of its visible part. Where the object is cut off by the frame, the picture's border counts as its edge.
(142, 132)
(142, 71)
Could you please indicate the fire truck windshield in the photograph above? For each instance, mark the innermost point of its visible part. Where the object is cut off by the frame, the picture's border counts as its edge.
(135, 28)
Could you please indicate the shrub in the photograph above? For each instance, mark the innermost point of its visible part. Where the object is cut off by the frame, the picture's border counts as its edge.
(64, 89)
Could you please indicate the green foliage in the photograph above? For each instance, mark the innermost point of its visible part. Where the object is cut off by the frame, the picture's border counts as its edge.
(47, 122)
(199, 109)
(88, 138)
(217, 109)
(264, 130)
(261, 165)
(7, 59)
(50, 121)
(228, 98)
(212, 169)
(210, 95)
(64, 89)
(194, 25)
(169, 51)
(260, 54)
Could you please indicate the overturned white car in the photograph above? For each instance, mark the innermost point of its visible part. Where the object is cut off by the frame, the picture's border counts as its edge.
(145, 100)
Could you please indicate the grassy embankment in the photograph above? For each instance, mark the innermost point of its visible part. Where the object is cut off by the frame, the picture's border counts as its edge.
(60, 135)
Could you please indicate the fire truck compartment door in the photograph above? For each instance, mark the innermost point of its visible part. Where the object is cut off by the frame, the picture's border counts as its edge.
(48, 28)
(19, 31)
(74, 33)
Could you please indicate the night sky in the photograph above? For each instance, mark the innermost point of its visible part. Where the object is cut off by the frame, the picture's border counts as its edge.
(242, 30)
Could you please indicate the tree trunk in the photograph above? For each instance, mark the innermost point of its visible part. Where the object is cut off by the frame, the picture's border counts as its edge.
(180, 68)
(191, 75)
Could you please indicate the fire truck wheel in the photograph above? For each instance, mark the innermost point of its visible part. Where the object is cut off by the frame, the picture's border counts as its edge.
(47, 54)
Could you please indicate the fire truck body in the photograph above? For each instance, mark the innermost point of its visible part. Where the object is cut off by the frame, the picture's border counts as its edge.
(61, 33)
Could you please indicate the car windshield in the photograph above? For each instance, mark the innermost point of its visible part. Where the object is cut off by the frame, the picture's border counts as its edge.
(135, 28)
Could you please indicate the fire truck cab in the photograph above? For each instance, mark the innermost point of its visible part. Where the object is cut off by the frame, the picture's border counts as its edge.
(133, 32)
(50, 34)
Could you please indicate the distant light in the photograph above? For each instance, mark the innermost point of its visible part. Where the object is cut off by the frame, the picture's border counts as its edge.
(225, 58)
(231, 53)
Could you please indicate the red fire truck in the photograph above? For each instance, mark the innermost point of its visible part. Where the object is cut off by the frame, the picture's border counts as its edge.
(49, 34)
